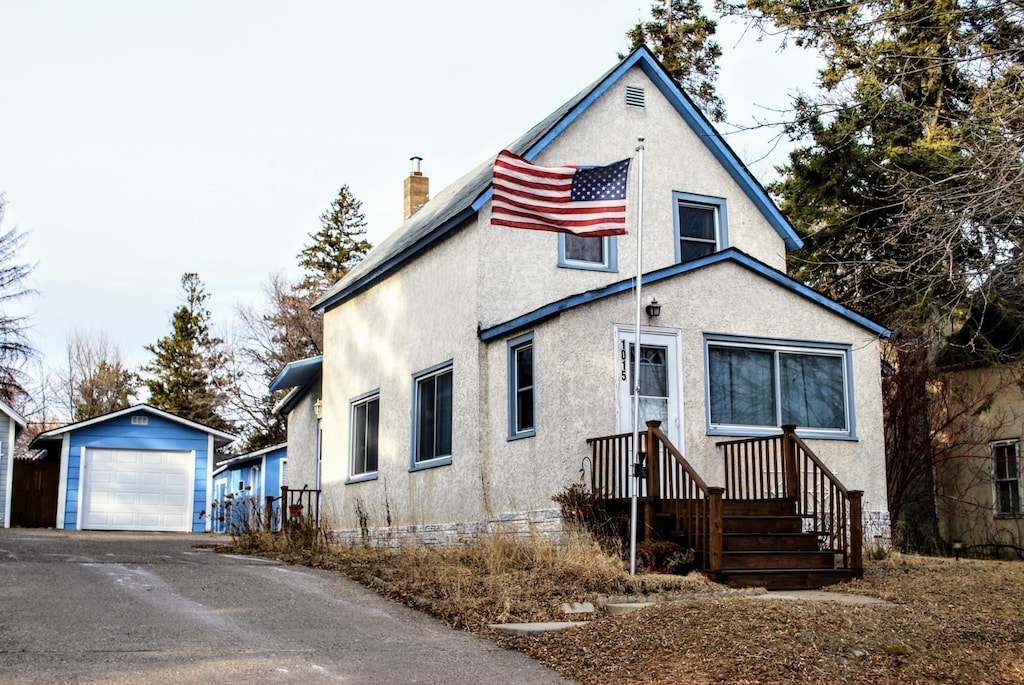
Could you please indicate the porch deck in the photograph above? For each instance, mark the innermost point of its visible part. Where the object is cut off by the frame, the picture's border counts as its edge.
(782, 521)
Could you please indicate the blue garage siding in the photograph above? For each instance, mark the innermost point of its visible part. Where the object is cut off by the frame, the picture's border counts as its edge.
(120, 433)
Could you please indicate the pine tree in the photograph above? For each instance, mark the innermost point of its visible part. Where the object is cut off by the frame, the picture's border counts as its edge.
(909, 178)
(187, 373)
(337, 246)
(907, 187)
(15, 348)
(680, 35)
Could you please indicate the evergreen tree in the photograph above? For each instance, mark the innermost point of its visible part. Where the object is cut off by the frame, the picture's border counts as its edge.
(15, 348)
(908, 184)
(907, 187)
(680, 35)
(287, 330)
(187, 374)
(337, 246)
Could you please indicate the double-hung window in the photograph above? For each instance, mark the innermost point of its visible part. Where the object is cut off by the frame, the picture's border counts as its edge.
(521, 398)
(432, 417)
(754, 386)
(701, 226)
(365, 422)
(1006, 477)
(593, 253)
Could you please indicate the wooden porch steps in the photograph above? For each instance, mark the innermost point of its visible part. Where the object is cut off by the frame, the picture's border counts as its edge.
(764, 545)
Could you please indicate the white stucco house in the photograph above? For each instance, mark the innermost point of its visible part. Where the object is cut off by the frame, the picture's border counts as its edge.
(466, 365)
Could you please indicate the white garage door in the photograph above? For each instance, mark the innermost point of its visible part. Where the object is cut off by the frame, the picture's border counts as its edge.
(137, 490)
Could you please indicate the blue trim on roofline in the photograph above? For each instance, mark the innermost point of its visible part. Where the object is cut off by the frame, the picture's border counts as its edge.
(728, 255)
(434, 236)
(692, 116)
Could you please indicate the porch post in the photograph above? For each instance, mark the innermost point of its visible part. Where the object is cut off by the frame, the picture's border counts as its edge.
(856, 531)
(789, 461)
(284, 507)
(653, 461)
(715, 532)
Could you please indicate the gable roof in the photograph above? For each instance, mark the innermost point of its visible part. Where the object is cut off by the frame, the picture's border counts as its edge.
(463, 199)
(254, 456)
(220, 438)
(15, 416)
(730, 254)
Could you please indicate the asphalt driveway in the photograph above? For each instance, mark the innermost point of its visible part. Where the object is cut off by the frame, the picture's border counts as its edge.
(85, 607)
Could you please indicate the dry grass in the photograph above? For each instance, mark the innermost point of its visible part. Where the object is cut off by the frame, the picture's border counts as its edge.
(949, 621)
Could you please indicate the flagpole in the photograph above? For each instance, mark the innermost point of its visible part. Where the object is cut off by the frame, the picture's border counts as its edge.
(635, 482)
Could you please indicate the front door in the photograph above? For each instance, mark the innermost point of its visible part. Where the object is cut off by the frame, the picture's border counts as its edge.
(659, 380)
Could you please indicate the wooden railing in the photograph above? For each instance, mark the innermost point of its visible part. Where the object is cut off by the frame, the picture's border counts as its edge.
(297, 505)
(667, 476)
(784, 467)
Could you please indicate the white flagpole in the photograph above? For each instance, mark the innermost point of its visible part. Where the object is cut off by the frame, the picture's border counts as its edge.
(635, 482)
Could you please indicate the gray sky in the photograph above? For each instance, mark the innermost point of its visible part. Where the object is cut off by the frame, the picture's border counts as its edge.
(140, 140)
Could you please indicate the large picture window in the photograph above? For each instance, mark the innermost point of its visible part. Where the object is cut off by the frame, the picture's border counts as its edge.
(365, 416)
(753, 386)
(1006, 477)
(432, 426)
(700, 226)
(521, 398)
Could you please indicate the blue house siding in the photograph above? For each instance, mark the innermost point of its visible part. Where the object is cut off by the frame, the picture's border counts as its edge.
(248, 492)
(120, 433)
(5, 466)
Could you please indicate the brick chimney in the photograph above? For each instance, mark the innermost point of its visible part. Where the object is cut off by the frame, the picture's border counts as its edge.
(417, 188)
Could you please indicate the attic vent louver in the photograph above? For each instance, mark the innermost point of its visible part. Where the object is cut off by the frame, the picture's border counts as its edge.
(140, 420)
(634, 96)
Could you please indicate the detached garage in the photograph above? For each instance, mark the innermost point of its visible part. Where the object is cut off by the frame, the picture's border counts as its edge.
(138, 469)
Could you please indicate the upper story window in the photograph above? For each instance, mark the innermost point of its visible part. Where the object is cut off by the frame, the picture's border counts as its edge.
(432, 417)
(521, 397)
(701, 225)
(593, 253)
(754, 386)
(1006, 477)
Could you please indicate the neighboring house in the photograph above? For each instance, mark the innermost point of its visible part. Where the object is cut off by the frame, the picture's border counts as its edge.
(240, 488)
(138, 468)
(978, 469)
(302, 407)
(465, 365)
(11, 425)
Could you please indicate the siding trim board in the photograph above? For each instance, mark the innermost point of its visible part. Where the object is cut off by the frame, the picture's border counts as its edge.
(731, 255)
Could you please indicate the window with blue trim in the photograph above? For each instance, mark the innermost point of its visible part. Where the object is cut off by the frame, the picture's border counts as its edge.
(432, 425)
(593, 253)
(365, 417)
(701, 225)
(521, 397)
(757, 386)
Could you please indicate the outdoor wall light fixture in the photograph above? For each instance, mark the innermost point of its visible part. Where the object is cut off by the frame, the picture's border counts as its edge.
(653, 309)
(318, 408)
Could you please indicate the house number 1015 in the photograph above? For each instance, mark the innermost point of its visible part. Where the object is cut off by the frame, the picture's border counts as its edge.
(625, 362)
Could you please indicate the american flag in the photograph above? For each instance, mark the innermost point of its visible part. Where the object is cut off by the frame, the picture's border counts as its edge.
(587, 201)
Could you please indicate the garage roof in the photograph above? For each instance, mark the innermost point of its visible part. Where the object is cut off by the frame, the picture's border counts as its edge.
(220, 438)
